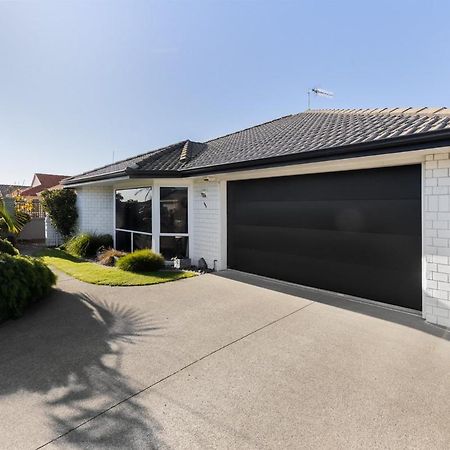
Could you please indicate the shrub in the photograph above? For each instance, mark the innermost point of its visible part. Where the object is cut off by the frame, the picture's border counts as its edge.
(61, 207)
(8, 248)
(141, 261)
(24, 280)
(87, 245)
(11, 221)
(109, 256)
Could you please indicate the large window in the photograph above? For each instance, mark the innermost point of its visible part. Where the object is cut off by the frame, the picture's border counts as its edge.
(133, 219)
(173, 222)
(133, 229)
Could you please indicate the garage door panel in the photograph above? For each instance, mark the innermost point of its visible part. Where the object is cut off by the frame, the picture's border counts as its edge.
(354, 248)
(356, 215)
(360, 234)
(378, 284)
(332, 186)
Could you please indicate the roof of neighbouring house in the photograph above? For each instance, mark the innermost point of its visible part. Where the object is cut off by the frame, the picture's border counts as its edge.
(8, 189)
(310, 134)
(43, 181)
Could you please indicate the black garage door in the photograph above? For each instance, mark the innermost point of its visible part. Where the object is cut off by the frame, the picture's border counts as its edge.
(355, 232)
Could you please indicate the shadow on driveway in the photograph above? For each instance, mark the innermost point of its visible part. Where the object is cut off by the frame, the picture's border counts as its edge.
(68, 347)
(340, 301)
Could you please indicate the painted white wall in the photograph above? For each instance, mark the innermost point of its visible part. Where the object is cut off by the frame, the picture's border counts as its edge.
(209, 234)
(52, 237)
(95, 209)
(436, 239)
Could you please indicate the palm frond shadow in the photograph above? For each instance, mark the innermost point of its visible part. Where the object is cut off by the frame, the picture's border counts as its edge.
(70, 349)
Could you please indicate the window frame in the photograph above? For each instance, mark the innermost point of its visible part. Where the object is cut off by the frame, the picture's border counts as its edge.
(156, 185)
(187, 211)
(131, 232)
(189, 216)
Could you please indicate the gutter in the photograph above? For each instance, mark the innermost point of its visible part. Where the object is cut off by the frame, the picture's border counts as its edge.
(435, 139)
(104, 176)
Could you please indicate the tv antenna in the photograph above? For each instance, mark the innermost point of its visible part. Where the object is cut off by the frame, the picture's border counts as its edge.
(319, 93)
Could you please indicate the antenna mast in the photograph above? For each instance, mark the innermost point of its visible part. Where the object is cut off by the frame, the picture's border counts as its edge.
(318, 92)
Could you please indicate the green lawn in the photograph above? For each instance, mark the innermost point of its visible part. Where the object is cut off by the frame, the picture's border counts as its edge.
(96, 274)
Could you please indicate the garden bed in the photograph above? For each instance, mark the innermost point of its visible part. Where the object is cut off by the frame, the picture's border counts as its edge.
(94, 273)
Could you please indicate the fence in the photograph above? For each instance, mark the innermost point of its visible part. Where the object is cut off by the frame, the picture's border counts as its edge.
(36, 211)
(52, 237)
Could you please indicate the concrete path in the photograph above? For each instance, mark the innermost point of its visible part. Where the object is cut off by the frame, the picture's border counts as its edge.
(226, 361)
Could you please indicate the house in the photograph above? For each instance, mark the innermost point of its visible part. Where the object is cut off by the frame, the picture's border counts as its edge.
(42, 182)
(29, 200)
(351, 201)
(8, 190)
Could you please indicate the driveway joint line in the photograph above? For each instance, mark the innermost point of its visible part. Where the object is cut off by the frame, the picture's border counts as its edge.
(273, 322)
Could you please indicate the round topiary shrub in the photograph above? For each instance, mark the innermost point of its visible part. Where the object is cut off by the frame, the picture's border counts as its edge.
(24, 280)
(8, 248)
(141, 261)
(87, 245)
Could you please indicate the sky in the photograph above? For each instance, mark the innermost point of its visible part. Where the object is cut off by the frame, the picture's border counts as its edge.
(85, 82)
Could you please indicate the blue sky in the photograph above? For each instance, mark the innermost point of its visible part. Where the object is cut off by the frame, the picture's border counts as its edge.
(81, 80)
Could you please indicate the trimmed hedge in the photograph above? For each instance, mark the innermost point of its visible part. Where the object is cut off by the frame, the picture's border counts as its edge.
(141, 261)
(8, 248)
(24, 280)
(87, 245)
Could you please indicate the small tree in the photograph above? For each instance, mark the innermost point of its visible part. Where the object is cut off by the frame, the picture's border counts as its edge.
(61, 207)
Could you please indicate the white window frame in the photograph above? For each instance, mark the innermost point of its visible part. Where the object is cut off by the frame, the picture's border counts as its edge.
(172, 184)
(132, 232)
(155, 185)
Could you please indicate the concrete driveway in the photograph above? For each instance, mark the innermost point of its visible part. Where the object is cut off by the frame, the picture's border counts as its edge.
(226, 361)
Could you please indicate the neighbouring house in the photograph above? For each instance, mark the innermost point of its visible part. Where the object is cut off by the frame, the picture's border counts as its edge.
(353, 201)
(9, 190)
(35, 230)
(42, 182)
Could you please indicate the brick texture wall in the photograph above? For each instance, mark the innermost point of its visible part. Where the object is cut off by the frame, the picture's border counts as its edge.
(95, 209)
(206, 223)
(436, 231)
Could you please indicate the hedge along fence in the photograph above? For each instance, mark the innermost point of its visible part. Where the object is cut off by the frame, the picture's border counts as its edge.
(24, 280)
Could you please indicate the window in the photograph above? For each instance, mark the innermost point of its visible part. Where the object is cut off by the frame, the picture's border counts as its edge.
(173, 246)
(123, 241)
(173, 210)
(173, 222)
(133, 219)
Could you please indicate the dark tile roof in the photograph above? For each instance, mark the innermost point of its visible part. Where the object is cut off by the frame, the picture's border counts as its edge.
(8, 189)
(310, 131)
(166, 158)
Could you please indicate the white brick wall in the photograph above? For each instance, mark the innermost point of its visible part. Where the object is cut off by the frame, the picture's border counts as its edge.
(207, 229)
(436, 242)
(95, 209)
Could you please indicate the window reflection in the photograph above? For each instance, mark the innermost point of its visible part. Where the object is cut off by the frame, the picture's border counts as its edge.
(134, 209)
(123, 241)
(174, 247)
(173, 210)
(141, 241)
